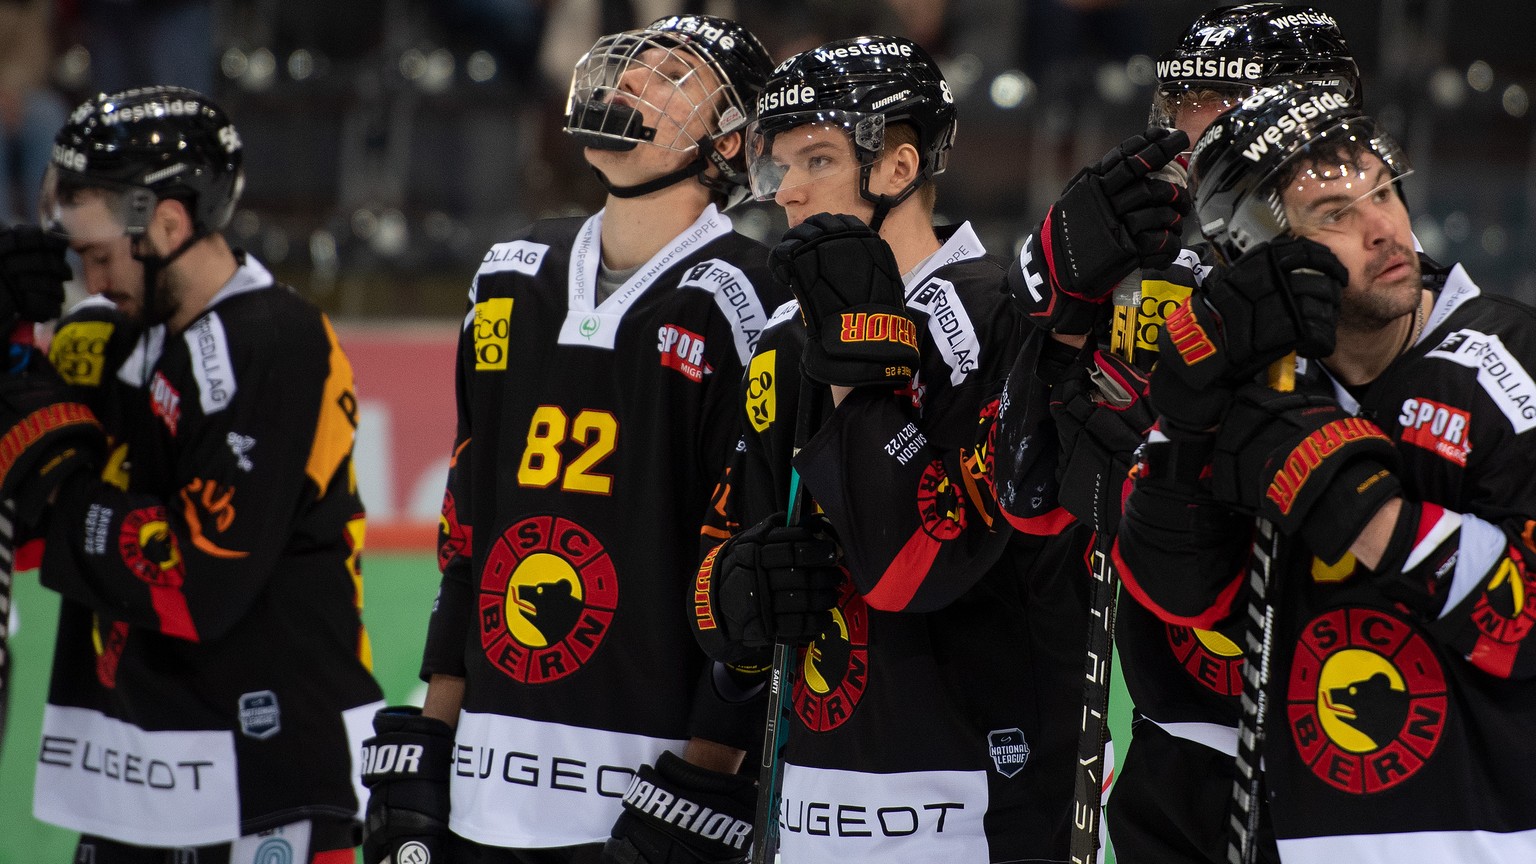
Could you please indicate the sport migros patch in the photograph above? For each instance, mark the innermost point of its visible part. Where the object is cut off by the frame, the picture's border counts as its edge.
(1498, 372)
(1366, 701)
(762, 398)
(165, 401)
(521, 256)
(210, 363)
(939, 505)
(493, 324)
(949, 325)
(260, 715)
(1441, 429)
(548, 595)
(683, 350)
(834, 669)
(1209, 657)
(78, 352)
(1504, 616)
(1008, 749)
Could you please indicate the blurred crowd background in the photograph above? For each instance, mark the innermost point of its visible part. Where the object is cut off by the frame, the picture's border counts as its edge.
(389, 142)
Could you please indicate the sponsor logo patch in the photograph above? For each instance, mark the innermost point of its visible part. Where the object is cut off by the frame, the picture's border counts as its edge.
(165, 401)
(520, 256)
(493, 324)
(949, 325)
(762, 398)
(1499, 374)
(78, 351)
(683, 350)
(1441, 429)
(548, 595)
(260, 716)
(1008, 749)
(1366, 701)
(210, 363)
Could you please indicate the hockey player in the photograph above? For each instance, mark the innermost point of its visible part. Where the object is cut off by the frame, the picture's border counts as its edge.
(210, 681)
(1397, 475)
(1184, 682)
(928, 724)
(597, 368)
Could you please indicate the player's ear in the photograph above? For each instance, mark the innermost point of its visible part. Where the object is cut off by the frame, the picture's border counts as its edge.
(902, 166)
(729, 144)
(171, 223)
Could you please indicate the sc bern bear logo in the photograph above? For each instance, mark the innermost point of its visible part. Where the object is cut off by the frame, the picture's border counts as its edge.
(548, 595)
(1366, 700)
(834, 669)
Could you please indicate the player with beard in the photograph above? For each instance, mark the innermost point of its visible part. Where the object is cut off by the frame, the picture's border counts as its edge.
(211, 674)
(1397, 474)
(598, 362)
(1184, 682)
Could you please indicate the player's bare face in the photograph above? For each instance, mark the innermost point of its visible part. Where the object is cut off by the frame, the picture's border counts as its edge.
(106, 253)
(820, 173)
(1354, 210)
(675, 93)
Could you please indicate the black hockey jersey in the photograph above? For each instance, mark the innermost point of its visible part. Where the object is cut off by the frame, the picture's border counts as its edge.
(1402, 699)
(210, 675)
(929, 723)
(590, 437)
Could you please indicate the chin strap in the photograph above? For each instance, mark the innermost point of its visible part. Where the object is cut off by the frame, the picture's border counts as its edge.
(692, 169)
(154, 265)
(884, 204)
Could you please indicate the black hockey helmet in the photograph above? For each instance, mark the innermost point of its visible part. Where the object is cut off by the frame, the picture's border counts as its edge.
(861, 86)
(139, 147)
(1226, 53)
(740, 65)
(1240, 165)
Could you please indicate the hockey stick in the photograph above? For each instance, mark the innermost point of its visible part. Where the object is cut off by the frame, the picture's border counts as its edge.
(21, 337)
(1258, 648)
(770, 776)
(1093, 731)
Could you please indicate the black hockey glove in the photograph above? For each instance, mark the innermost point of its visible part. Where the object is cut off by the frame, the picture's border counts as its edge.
(405, 767)
(49, 436)
(769, 583)
(679, 813)
(32, 275)
(1102, 415)
(1306, 464)
(1112, 218)
(1281, 297)
(852, 300)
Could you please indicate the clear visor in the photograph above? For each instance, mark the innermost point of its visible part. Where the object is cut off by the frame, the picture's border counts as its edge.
(1332, 180)
(93, 213)
(637, 87)
(809, 147)
(1331, 199)
(1192, 106)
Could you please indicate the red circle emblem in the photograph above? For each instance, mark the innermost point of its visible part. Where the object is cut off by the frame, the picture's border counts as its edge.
(834, 669)
(148, 547)
(1209, 657)
(547, 598)
(939, 505)
(1366, 700)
